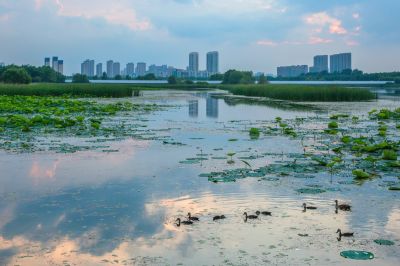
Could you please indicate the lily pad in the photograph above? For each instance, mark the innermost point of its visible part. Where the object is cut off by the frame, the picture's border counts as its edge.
(357, 255)
(384, 242)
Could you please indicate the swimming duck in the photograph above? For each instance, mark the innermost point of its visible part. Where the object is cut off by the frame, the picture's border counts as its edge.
(251, 216)
(192, 218)
(264, 213)
(179, 222)
(308, 207)
(219, 217)
(342, 207)
(343, 234)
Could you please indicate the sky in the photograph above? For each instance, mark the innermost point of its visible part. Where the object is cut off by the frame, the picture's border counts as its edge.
(256, 35)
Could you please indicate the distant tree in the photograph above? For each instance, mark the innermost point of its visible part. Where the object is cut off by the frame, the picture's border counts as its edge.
(397, 81)
(262, 79)
(189, 82)
(79, 78)
(172, 80)
(149, 76)
(238, 77)
(118, 77)
(217, 77)
(16, 75)
(127, 77)
(104, 76)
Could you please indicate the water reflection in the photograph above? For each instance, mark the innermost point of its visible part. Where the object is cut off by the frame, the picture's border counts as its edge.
(193, 108)
(212, 107)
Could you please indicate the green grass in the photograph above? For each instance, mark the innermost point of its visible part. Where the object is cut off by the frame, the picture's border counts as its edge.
(313, 93)
(86, 89)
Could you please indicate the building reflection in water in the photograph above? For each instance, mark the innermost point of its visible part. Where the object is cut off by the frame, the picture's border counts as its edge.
(193, 108)
(212, 107)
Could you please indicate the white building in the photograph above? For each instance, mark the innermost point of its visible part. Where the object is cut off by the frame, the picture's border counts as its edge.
(110, 65)
(130, 69)
(99, 70)
(61, 67)
(193, 64)
(54, 64)
(292, 71)
(141, 69)
(47, 62)
(320, 64)
(116, 69)
(340, 62)
(87, 68)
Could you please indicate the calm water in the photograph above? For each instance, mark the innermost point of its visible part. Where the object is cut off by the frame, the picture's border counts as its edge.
(119, 208)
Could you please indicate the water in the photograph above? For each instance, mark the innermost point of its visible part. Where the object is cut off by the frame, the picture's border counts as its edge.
(91, 207)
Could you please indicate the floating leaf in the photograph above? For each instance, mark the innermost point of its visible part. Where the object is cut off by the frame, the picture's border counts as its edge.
(384, 242)
(357, 255)
(310, 190)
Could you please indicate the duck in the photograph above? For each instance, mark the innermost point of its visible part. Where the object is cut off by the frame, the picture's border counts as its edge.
(264, 213)
(347, 234)
(179, 222)
(192, 218)
(251, 216)
(342, 207)
(218, 217)
(308, 207)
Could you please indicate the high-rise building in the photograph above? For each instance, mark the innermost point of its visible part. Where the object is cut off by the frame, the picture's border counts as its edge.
(116, 69)
(2, 64)
(212, 62)
(292, 71)
(159, 71)
(193, 64)
(320, 64)
(110, 68)
(60, 67)
(141, 69)
(340, 62)
(87, 68)
(130, 69)
(54, 64)
(47, 61)
(99, 70)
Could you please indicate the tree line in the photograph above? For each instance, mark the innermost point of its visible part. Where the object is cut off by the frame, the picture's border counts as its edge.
(26, 74)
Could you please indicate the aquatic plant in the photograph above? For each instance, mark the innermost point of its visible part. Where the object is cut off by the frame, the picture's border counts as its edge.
(254, 133)
(317, 93)
(389, 155)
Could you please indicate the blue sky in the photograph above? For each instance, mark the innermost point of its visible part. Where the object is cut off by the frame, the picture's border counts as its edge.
(253, 35)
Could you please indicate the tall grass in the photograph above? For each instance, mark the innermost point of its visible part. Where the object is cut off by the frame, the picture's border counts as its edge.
(87, 89)
(313, 93)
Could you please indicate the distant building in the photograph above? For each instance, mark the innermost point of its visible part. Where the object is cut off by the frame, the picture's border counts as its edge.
(110, 67)
(54, 64)
(99, 70)
(159, 71)
(87, 68)
(292, 71)
(141, 69)
(47, 61)
(116, 69)
(130, 69)
(193, 64)
(2, 64)
(340, 62)
(60, 67)
(320, 64)
(212, 62)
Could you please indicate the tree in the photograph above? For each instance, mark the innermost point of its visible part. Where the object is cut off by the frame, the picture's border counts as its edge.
(16, 75)
(172, 80)
(118, 77)
(217, 77)
(79, 78)
(262, 79)
(238, 77)
(149, 76)
(104, 76)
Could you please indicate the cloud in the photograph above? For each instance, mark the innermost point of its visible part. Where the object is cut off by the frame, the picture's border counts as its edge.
(322, 19)
(267, 43)
(318, 40)
(114, 12)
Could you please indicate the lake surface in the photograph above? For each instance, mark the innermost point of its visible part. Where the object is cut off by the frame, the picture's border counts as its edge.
(101, 208)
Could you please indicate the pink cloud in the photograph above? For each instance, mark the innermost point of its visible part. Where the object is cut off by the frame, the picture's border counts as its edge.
(322, 19)
(356, 16)
(120, 13)
(352, 43)
(318, 40)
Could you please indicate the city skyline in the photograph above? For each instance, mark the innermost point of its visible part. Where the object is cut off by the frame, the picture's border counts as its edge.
(253, 35)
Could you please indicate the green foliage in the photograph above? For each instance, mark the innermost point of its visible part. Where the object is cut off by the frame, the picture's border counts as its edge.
(149, 76)
(333, 125)
(262, 79)
(172, 80)
(238, 77)
(313, 93)
(217, 77)
(79, 78)
(360, 174)
(37, 74)
(389, 155)
(16, 75)
(254, 132)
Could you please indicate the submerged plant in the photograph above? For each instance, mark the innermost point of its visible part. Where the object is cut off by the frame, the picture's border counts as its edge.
(254, 133)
